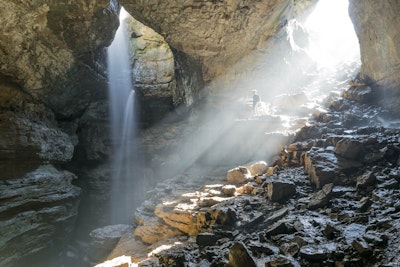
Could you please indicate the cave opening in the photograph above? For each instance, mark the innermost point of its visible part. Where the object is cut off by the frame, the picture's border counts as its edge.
(215, 151)
(293, 81)
(332, 36)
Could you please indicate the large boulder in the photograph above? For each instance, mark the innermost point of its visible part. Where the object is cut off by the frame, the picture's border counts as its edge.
(280, 190)
(154, 230)
(239, 256)
(258, 168)
(104, 239)
(179, 217)
(349, 148)
(324, 167)
(238, 175)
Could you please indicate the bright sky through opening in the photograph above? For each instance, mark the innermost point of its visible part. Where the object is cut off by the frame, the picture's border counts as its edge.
(123, 14)
(333, 39)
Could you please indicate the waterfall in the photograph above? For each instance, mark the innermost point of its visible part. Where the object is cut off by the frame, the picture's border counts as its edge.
(123, 126)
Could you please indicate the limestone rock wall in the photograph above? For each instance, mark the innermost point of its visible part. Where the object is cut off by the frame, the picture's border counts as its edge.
(29, 135)
(52, 73)
(152, 61)
(37, 212)
(38, 203)
(215, 33)
(377, 26)
(48, 49)
(164, 79)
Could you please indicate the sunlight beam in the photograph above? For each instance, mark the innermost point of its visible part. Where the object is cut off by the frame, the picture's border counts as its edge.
(332, 36)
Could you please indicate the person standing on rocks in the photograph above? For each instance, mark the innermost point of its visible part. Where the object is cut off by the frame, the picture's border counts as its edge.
(256, 101)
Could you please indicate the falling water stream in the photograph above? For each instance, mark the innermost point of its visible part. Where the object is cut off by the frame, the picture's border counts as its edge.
(123, 126)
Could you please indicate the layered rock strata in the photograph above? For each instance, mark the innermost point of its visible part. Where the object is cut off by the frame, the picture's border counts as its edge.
(51, 70)
(38, 201)
(38, 211)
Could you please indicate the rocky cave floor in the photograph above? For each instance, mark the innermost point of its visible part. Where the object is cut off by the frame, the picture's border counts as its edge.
(330, 199)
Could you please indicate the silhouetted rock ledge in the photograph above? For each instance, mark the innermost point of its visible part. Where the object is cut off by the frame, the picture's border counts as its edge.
(328, 200)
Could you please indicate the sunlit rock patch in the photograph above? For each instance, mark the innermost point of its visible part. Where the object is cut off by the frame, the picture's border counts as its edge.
(154, 230)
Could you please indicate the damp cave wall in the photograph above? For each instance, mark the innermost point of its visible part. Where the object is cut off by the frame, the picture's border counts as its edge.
(53, 99)
(376, 26)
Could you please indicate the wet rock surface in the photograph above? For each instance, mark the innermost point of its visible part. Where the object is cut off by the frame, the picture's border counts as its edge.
(104, 239)
(337, 205)
(38, 201)
(38, 211)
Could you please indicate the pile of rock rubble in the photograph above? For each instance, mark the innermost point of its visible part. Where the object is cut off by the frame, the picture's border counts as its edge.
(330, 199)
